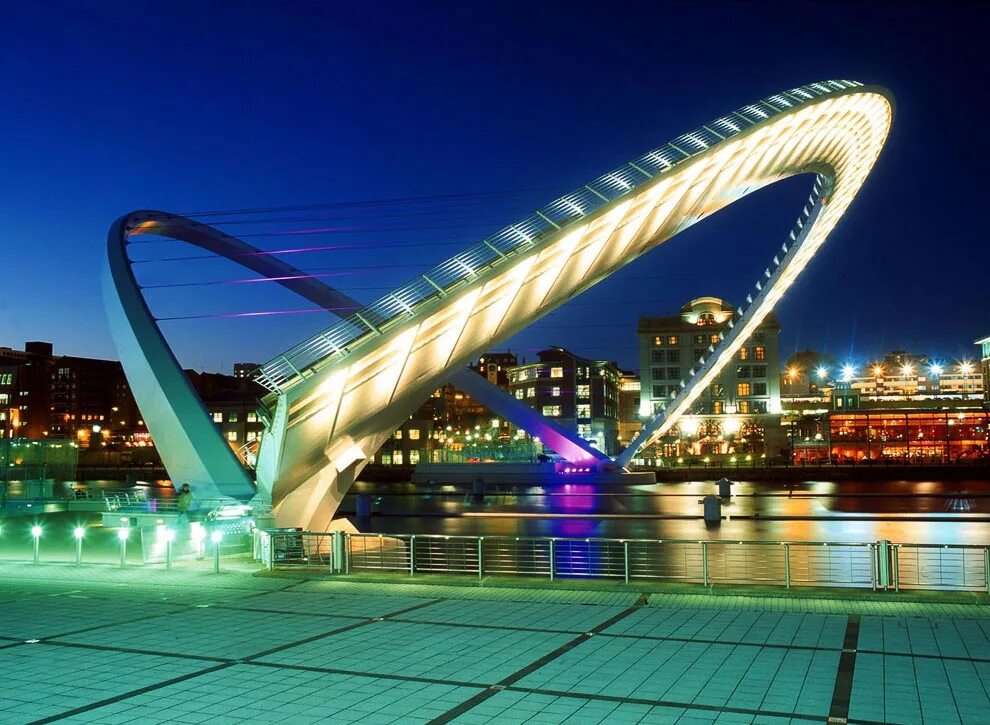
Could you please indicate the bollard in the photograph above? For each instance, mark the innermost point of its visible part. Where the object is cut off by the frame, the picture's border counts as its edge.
(725, 488)
(122, 534)
(364, 505)
(216, 537)
(169, 538)
(36, 533)
(713, 509)
(79, 532)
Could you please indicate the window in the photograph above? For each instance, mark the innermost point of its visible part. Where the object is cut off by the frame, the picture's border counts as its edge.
(659, 391)
(556, 372)
(759, 337)
(232, 418)
(386, 459)
(672, 340)
(658, 340)
(414, 434)
(398, 434)
(584, 430)
(744, 406)
(717, 407)
(551, 410)
(743, 354)
(217, 417)
(555, 391)
(531, 392)
(742, 371)
(742, 389)
(252, 417)
(232, 436)
(673, 373)
(699, 339)
(717, 390)
(759, 371)
(397, 458)
(413, 457)
(673, 356)
(584, 410)
(759, 388)
(520, 393)
(699, 353)
(659, 373)
(713, 339)
(584, 391)
(759, 353)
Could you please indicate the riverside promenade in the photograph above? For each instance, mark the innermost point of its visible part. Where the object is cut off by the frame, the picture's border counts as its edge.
(101, 644)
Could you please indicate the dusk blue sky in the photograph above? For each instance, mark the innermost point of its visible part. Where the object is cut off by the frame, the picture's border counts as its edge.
(106, 107)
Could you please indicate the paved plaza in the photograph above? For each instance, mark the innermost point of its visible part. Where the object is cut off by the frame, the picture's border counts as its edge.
(99, 644)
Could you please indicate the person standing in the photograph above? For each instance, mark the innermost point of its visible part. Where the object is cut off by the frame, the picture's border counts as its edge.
(183, 503)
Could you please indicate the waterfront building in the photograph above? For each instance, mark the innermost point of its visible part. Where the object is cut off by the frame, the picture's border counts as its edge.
(580, 394)
(630, 422)
(902, 435)
(739, 412)
(984, 344)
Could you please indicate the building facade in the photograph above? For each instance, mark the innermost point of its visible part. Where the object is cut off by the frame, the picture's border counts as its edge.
(581, 395)
(984, 344)
(739, 412)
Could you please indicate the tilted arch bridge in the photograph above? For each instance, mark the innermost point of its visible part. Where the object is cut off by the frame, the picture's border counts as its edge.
(337, 396)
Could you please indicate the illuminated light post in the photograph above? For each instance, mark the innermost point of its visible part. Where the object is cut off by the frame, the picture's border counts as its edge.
(169, 538)
(36, 533)
(122, 533)
(78, 533)
(822, 373)
(216, 537)
(848, 373)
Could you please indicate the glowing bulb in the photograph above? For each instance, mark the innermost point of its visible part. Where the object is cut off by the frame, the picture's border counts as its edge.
(36, 531)
(216, 536)
(848, 371)
(123, 532)
(907, 369)
(935, 369)
(878, 370)
(822, 373)
(169, 534)
(79, 532)
(965, 367)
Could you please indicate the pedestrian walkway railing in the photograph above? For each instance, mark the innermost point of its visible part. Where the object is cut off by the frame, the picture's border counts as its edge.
(868, 565)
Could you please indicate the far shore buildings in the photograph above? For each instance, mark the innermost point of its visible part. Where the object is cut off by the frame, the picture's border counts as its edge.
(737, 414)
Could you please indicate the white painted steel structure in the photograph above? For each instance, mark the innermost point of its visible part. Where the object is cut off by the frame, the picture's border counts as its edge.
(338, 395)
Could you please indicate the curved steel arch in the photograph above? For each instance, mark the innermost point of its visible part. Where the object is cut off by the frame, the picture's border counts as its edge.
(340, 393)
(189, 444)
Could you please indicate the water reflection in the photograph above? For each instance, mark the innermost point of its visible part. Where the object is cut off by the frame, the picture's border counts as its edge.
(854, 511)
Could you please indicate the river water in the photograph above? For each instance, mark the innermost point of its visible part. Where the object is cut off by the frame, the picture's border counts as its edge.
(849, 511)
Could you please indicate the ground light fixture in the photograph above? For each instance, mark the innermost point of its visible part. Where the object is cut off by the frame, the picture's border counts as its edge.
(36, 532)
(123, 533)
(169, 535)
(78, 533)
(216, 536)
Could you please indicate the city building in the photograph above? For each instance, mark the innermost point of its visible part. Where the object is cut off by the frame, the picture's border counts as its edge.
(984, 344)
(495, 366)
(245, 370)
(630, 422)
(739, 412)
(581, 395)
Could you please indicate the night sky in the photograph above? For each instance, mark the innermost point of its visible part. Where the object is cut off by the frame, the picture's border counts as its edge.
(414, 130)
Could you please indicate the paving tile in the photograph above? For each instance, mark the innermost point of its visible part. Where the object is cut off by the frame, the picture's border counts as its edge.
(344, 605)
(426, 650)
(212, 632)
(44, 680)
(528, 615)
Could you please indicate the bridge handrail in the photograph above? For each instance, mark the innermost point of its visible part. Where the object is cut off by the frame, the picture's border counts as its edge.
(872, 565)
(288, 368)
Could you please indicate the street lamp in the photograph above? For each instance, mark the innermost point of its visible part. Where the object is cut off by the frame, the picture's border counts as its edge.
(935, 369)
(216, 537)
(822, 372)
(848, 372)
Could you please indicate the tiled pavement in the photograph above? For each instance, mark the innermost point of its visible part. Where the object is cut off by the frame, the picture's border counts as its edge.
(110, 646)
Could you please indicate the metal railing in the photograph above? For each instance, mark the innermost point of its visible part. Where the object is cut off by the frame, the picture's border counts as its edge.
(870, 565)
(482, 259)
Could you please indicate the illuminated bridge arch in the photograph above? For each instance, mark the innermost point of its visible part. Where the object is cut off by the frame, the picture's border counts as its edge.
(339, 394)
